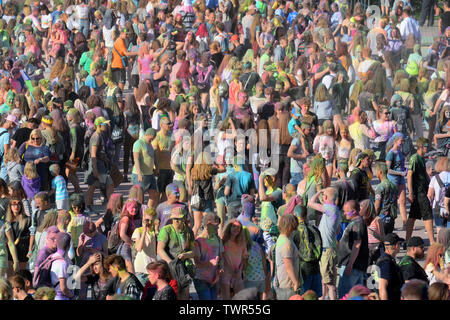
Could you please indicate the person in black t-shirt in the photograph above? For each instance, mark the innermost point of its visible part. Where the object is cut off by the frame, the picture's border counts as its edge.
(390, 276)
(18, 286)
(444, 20)
(23, 134)
(408, 265)
(123, 283)
(158, 273)
(360, 178)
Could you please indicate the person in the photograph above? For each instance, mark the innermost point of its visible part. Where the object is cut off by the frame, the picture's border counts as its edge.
(113, 210)
(59, 188)
(158, 272)
(145, 241)
(208, 258)
(126, 227)
(90, 242)
(144, 170)
(360, 178)
(390, 277)
(415, 290)
(438, 291)
(409, 266)
(164, 209)
(98, 173)
(6, 292)
(7, 125)
(353, 250)
(122, 283)
(98, 277)
(436, 192)
(60, 267)
(434, 263)
(286, 260)
(7, 239)
(20, 230)
(234, 256)
(18, 286)
(418, 181)
(386, 195)
(329, 228)
(176, 242)
(119, 56)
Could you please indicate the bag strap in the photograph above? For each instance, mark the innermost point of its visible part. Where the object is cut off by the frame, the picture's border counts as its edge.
(439, 181)
(121, 57)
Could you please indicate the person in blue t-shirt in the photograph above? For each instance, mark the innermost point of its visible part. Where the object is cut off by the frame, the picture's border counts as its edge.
(295, 123)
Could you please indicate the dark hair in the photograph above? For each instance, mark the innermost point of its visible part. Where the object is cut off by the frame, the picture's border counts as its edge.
(415, 289)
(116, 260)
(438, 291)
(17, 282)
(3, 187)
(26, 275)
(17, 190)
(160, 267)
(63, 241)
(83, 93)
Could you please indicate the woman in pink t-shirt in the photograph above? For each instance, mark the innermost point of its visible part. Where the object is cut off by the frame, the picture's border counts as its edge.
(144, 60)
(375, 230)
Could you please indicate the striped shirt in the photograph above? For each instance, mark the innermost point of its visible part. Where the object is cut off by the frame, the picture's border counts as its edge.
(59, 184)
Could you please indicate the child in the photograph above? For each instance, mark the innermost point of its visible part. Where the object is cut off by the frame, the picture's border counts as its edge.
(325, 145)
(13, 167)
(31, 182)
(59, 187)
(295, 123)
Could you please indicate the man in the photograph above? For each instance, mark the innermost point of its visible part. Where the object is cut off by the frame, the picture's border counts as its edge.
(345, 190)
(298, 158)
(353, 250)
(238, 183)
(390, 276)
(23, 134)
(408, 265)
(60, 267)
(249, 78)
(360, 178)
(123, 282)
(164, 209)
(409, 26)
(307, 115)
(365, 65)
(258, 99)
(444, 20)
(386, 195)
(240, 46)
(163, 145)
(8, 124)
(280, 50)
(49, 248)
(247, 21)
(143, 172)
(373, 33)
(418, 182)
(222, 37)
(415, 290)
(328, 227)
(119, 55)
(427, 12)
(18, 286)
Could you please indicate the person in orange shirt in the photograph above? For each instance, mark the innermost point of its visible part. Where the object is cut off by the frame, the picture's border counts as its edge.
(120, 54)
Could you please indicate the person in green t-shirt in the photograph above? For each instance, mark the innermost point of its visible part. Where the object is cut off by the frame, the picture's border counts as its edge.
(418, 181)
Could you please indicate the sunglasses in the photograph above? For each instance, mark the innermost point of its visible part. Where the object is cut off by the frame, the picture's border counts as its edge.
(35, 139)
(15, 204)
(386, 113)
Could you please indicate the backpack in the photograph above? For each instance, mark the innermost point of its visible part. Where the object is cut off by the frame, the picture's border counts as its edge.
(203, 77)
(87, 151)
(114, 240)
(310, 249)
(441, 198)
(42, 276)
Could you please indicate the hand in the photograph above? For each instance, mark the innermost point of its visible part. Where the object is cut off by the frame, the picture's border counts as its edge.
(348, 270)
(182, 256)
(93, 258)
(16, 266)
(29, 254)
(411, 198)
(37, 161)
(140, 179)
(214, 261)
(83, 238)
(72, 156)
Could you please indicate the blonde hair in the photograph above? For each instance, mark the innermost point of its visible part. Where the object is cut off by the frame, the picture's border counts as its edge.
(6, 292)
(30, 170)
(12, 156)
(202, 167)
(441, 165)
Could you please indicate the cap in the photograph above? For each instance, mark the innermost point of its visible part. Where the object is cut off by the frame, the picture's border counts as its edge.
(150, 132)
(165, 120)
(12, 118)
(177, 213)
(415, 242)
(392, 238)
(270, 172)
(296, 111)
(47, 119)
(101, 121)
(234, 37)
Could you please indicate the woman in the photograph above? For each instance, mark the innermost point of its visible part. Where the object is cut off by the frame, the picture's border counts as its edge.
(176, 240)
(112, 214)
(7, 242)
(133, 125)
(179, 159)
(441, 138)
(395, 162)
(35, 150)
(16, 190)
(199, 176)
(384, 130)
(144, 60)
(302, 75)
(435, 192)
(5, 197)
(234, 258)
(97, 276)
(20, 224)
(367, 101)
(126, 229)
(325, 144)
(286, 260)
(158, 275)
(145, 241)
(76, 147)
(431, 96)
(208, 258)
(323, 105)
(344, 145)
(215, 105)
(434, 263)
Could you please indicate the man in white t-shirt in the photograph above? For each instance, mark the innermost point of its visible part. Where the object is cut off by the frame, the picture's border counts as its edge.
(61, 267)
(439, 181)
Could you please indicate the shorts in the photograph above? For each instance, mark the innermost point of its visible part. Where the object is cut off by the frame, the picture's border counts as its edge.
(421, 208)
(439, 220)
(119, 75)
(296, 178)
(328, 263)
(385, 3)
(103, 181)
(226, 278)
(62, 204)
(124, 250)
(165, 177)
(134, 81)
(148, 182)
(397, 180)
(259, 285)
(313, 282)
(234, 209)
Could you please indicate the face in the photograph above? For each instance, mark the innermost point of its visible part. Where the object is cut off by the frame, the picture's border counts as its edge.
(399, 143)
(235, 228)
(348, 211)
(344, 133)
(133, 210)
(386, 114)
(97, 267)
(36, 139)
(330, 131)
(447, 114)
(240, 145)
(51, 241)
(177, 222)
(77, 209)
(15, 206)
(113, 270)
(152, 277)
(419, 252)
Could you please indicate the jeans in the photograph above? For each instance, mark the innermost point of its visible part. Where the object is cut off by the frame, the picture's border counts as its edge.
(313, 282)
(296, 178)
(205, 290)
(284, 170)
(427, 12)
(346, 283)
(3, 172)
(214, 117)
(225, 109)
(127, 148)
(84, 27)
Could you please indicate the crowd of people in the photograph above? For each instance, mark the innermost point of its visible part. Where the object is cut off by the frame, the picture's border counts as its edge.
(271, 146)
